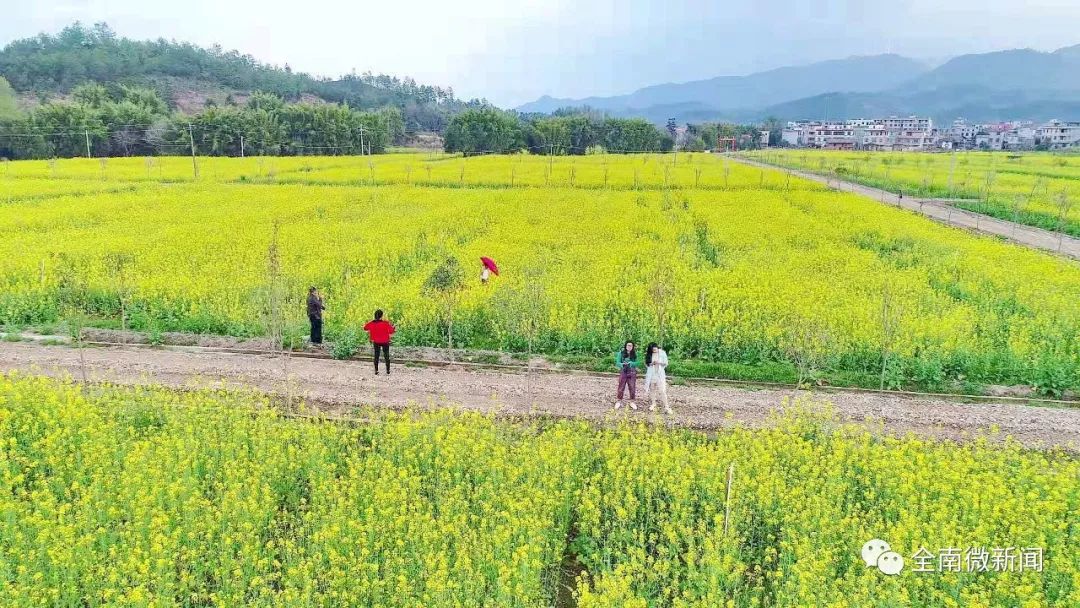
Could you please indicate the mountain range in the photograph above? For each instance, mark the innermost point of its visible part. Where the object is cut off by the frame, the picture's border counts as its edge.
(1001, 85)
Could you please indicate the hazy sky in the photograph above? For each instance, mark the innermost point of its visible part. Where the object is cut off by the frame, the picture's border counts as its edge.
(514, 51)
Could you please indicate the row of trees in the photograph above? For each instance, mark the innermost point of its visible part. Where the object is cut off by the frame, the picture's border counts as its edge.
(123, 120)
(268, 126)
(488, 130)
(120, 120)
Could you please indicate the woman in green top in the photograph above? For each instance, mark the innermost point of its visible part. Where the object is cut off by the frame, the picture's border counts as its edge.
(626, 361)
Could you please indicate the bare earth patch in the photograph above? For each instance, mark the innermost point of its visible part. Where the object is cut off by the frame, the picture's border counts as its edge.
(337, 387)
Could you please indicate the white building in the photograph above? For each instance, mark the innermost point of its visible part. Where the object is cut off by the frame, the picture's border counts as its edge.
(990, 140)
(961, 134)
(1058, 134)
(1020, 138)
(912, 133)
(873, 136)
(792, 136)
(830, 135)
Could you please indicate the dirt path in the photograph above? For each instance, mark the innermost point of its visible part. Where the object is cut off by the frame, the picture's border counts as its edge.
(338, 386)
(945, 213)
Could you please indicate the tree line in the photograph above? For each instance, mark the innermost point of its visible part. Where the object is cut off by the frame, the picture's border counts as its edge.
(581, 131)
(489, 130)
(121, 120)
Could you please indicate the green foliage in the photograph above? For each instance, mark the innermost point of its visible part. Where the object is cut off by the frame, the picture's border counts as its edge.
(9, 107)
(488, 130)
(132, 121)
(447, 277)
(745, 135)
(91, 94)
(273, 128)
(1052, 378)
(66, 126)
(485, 130)
(551, 136)
(633, 135)
(564, 133)
(346, 345)
(267, 102)
(694, 143)
(79, 54)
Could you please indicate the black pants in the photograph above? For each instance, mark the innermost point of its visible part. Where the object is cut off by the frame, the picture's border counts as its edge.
(385, 348)
(316, 329)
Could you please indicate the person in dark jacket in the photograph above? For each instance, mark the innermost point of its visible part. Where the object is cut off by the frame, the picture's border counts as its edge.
(627, 364)
(314, 312)
(380, 331)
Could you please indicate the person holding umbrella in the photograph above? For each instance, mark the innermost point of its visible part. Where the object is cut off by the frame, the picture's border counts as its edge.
(487, 268)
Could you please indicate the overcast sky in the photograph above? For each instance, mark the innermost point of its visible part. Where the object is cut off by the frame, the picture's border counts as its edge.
(514, 51)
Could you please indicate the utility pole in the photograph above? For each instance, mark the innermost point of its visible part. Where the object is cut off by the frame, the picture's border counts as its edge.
(241, 146)
(191, 138)
(362, 153)
(952, 168)
(674, 132)
(87, 134)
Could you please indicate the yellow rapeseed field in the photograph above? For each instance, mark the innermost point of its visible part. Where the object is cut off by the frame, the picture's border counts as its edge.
(1038, 189)
(750, 271)
(145, 497)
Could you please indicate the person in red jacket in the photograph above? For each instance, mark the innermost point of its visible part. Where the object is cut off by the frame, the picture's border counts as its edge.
(380, 331)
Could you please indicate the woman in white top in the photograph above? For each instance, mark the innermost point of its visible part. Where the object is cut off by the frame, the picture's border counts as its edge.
(655, 376)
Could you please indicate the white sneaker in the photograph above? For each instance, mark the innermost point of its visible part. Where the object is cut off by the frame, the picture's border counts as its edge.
(667, 410)
(633, 405)
(618, 404)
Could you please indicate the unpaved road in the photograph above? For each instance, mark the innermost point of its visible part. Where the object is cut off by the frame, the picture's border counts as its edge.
(945, 213)
(338, 386)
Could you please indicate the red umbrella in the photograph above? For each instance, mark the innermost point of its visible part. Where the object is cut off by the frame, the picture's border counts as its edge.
(490, 264)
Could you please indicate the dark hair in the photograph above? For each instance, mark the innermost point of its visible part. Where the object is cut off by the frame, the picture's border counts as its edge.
(378, 314)
(311, 289)
(648, 352)
(632, 353)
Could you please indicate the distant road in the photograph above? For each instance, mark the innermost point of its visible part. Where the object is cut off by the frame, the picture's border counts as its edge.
(944, 212)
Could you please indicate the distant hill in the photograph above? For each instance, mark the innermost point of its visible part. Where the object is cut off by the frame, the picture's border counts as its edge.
(986, 87)
(857, 74)
(978, 104)
(189, 76)
(1022, 69)
(1016, 84)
